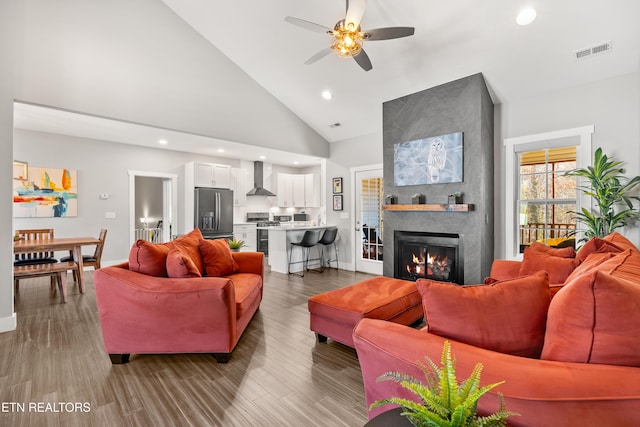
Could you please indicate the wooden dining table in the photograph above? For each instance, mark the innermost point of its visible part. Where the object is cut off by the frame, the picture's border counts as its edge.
(72, 244)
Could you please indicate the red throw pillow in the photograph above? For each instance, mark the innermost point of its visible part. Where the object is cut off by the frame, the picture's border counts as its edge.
(620, 241)
(594, 319)
(624, 265)
(567, 252)
(217, 257)
(148, 258)
(597, 245)
(590, 263)
(180, 264)
(507, 316)
(558, 267)
(190, 243)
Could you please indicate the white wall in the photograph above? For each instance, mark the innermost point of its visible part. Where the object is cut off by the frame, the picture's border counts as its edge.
(149, 195)
(138, 61)
(361, 151)
(9, 17)
(612, 105)
(103, 167)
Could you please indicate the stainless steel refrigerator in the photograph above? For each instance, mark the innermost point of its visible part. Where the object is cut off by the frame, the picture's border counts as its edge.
(214, 212)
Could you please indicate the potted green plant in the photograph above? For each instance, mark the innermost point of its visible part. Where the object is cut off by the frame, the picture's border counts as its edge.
(235, 245)
(444, 401)
(418, 199)
(610, 190)
(455, 198)
(391, 199)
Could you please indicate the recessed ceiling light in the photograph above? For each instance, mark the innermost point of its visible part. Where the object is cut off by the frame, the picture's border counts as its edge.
(327, 95)
(220, 150)
(163, 142)
(296, 162)
(263, 157)
(526, 16)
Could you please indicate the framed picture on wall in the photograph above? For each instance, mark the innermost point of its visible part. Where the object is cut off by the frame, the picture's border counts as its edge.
(20, 170)
(337, 202)
(337, 185)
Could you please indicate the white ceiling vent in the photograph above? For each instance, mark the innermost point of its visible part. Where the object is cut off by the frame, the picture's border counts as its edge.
(594, 50)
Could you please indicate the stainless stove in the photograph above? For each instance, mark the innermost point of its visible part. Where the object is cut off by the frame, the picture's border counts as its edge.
(262, 223)
(268, 223)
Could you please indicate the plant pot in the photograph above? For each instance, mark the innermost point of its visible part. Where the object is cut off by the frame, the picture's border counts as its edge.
(419, 200)
(392, 200)
(454, 200)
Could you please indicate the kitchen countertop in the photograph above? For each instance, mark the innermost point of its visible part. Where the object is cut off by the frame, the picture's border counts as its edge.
(292, 227)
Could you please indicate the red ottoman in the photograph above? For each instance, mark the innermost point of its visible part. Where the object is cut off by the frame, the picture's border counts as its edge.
(334, 314)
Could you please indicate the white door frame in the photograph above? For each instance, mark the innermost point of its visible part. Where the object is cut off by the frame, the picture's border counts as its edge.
(352, 207)
(169, 202)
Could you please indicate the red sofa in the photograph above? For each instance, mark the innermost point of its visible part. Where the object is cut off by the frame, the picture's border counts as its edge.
(144, 310)
(576, 364)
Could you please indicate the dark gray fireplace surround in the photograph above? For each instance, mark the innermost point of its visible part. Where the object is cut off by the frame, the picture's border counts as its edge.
(463, 105)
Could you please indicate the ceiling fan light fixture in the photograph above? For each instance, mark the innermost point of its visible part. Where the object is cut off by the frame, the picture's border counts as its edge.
(347, 39)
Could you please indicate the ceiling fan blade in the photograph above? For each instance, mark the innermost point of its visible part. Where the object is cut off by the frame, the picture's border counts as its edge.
(308, 25)
(355, 11)
(324, 52)
(363, 60)
(388, 33)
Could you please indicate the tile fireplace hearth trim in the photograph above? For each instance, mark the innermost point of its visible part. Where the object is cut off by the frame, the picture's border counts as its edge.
(462, 207)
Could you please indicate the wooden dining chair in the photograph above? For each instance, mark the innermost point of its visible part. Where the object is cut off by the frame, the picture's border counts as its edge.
(34, 258)
(90, 260)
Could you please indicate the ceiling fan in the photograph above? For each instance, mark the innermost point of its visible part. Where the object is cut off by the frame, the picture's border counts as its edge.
(347, 36)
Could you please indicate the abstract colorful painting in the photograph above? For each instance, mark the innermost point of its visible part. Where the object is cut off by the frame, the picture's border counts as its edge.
(47, 193)
(435, 160)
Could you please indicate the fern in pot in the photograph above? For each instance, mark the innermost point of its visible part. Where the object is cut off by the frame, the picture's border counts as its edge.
(611, 191)
(445, 403)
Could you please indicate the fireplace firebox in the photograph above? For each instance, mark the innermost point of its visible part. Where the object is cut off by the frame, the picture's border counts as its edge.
(435, 256)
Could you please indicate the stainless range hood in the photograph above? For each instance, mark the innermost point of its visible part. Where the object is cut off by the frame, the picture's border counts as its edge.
(258, 189)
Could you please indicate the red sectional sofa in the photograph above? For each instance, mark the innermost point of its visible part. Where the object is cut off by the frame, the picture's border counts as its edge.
(569, 352)
(187, 296)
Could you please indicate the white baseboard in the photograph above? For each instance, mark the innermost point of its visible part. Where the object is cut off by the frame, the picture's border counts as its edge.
(8, 323)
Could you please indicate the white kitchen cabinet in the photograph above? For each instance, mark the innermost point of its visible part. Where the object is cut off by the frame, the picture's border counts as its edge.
(247, 233)
(311, 194)
(285, 190)
(239, 183)
(297, 190)
(211, 175)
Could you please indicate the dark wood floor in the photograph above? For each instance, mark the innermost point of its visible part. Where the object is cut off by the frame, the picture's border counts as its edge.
(278, 375)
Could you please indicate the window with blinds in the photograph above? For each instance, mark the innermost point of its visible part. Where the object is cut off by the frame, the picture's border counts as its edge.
(547, 198)
(371, 218)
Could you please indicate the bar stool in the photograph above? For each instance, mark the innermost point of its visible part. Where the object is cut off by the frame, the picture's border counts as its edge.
(329, 238)
(308, 241)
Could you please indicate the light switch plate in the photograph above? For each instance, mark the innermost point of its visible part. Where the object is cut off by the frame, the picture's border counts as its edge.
(110, 215)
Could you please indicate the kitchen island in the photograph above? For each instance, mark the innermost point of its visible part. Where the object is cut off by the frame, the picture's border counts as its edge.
(280, 238)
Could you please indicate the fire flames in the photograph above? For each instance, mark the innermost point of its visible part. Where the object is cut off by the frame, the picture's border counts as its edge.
(434, 266)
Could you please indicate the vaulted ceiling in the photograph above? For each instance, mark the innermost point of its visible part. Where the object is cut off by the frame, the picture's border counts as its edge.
(453, 39)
